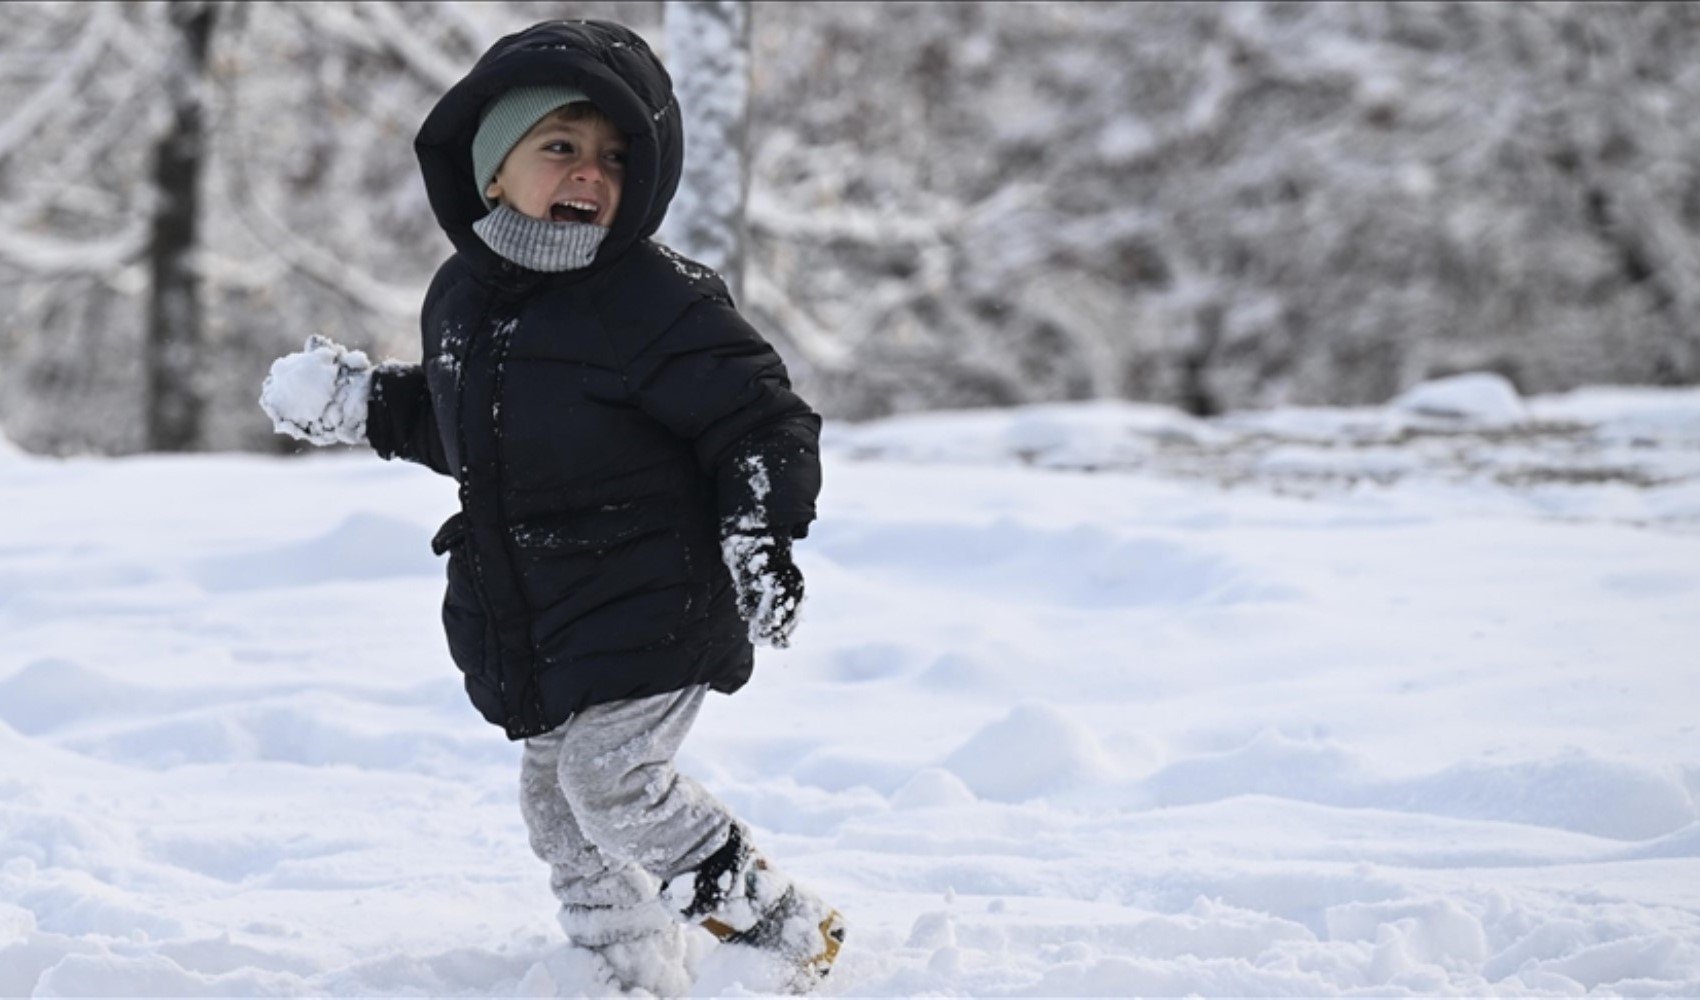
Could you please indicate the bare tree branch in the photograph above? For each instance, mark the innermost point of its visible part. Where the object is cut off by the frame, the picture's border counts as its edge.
(49, 255)
(846, 223)
(469, 19)
(818, 347)
(403, 39)
(34, 109)
(335, 273)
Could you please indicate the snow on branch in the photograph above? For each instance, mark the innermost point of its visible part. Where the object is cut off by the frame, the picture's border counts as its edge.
(61, 89)
(818, 347)
(49, 255)
(403, 39)
(377, 27)
(471, 21)
(334, 272)
(135, 111)
(846, 224)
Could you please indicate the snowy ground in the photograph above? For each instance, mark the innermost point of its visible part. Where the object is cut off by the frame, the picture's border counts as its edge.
(1089, 699)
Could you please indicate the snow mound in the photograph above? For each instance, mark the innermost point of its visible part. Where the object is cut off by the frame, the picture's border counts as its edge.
(1271, 764)
(308, 730)
(1628, 412)
(1683, 843)
(1629, 456)
(839, 769)
(1575, 791)
(50, 693)
(1576, 953)
(874, 661)
(1035, 750)
(10, 452)
(15, 922)
(932, 787)
(1061, 435)
(1480, 397)
(1423, 932)
(363, 546)
(1088, 568)
(72, 903)
(153, 975)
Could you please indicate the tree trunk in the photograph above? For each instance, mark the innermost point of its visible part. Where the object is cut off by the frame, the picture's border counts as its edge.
(175, 308)
(708, 55)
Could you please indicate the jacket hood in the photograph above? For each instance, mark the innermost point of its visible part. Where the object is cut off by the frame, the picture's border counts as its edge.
(617, 72)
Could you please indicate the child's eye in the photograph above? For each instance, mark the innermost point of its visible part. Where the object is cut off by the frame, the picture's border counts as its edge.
(558, 147)
(617, 156)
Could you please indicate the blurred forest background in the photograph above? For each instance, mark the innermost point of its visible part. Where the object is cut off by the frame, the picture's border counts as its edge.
(1210, 206)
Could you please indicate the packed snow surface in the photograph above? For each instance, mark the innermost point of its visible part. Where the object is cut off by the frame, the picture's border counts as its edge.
(1094, 699)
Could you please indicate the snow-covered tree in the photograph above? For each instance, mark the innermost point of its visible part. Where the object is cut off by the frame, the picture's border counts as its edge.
(304, 210)
(1224, 205)
(175, 313)
(707, 51)
(79, 121)
(1212, 205)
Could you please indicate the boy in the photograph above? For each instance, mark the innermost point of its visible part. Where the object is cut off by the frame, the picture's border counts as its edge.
(633, 467)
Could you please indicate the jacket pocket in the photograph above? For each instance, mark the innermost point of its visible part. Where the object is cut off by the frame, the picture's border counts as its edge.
(452, 533)
(467, 624)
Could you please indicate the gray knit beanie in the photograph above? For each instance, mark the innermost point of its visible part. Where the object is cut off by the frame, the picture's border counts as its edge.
(505, 123)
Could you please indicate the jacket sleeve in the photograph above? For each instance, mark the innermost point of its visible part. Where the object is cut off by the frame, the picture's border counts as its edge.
(712, 380)
(400, 422)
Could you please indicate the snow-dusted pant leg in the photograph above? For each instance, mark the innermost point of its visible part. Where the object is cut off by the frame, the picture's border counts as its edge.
(580, 875)
(616, 770)
(608, 905)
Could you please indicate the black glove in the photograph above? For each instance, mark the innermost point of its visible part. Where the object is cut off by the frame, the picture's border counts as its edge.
(768, 584)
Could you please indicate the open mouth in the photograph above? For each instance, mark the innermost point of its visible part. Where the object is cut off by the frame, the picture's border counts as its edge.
(574, 211)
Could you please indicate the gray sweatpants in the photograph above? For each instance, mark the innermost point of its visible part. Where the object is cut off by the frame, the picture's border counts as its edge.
(606, 809)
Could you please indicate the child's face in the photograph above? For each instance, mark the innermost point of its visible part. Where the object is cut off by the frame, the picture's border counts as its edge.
(564, 170)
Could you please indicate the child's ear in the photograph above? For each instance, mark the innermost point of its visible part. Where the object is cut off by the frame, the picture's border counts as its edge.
(494, 191)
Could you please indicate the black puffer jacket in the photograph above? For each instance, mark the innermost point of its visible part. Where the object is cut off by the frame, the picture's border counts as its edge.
(603, 424)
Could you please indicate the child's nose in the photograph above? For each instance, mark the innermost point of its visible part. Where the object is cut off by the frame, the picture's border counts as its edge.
(587, 170)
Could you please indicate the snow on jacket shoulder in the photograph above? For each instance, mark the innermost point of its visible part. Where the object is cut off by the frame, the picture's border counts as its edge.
(604, 425)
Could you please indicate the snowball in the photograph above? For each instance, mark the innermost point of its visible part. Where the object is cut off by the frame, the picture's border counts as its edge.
(319, 394)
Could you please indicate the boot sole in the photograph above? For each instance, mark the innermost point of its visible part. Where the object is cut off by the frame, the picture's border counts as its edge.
(832, 932)
(810, 970)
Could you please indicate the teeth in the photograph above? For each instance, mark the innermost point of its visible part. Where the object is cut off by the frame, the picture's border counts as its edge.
(583, 205)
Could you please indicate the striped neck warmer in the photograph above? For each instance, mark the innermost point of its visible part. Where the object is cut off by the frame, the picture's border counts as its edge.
(539, 244)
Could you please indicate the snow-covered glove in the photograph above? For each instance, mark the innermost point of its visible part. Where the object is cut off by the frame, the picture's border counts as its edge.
(319, 393)
(769, 586)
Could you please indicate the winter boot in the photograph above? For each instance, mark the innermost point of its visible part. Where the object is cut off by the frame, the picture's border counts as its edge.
(635, 950)
(741, 899)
